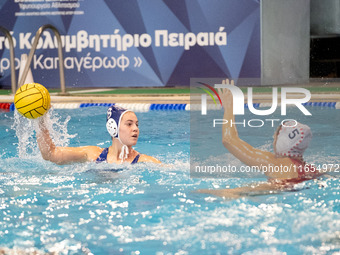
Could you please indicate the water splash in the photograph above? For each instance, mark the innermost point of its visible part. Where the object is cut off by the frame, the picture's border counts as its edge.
(58, 128)
(25, 130)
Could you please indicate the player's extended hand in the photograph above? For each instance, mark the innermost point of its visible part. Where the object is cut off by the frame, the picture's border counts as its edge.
(226, 95)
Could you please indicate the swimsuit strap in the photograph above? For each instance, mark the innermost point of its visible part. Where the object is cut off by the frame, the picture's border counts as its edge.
(103, 156)
(304, 170)
(300, 167)
(135, 160)
(297, 161)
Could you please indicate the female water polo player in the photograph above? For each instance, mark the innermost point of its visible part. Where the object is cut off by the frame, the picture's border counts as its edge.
(121, 124)
(290, 141)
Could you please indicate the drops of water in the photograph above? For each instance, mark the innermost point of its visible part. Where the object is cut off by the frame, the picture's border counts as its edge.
(26, 129)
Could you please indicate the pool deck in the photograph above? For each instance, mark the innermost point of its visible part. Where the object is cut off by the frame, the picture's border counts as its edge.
(165, 96)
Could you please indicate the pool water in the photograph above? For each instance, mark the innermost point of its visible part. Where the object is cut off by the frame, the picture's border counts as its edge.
(152, 209)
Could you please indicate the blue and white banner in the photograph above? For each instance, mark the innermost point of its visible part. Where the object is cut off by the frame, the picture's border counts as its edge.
(124, 43)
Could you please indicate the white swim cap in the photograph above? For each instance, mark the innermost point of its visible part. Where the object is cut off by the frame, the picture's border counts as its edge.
(113, 119)
(293, 139)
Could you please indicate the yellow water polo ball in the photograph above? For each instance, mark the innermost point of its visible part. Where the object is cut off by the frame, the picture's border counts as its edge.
(32, 100)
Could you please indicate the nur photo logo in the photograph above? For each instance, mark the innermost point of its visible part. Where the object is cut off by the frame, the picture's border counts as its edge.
(238, 99)
(204, 97)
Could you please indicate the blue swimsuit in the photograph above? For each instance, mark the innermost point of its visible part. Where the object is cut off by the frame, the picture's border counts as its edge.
(103, 156)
